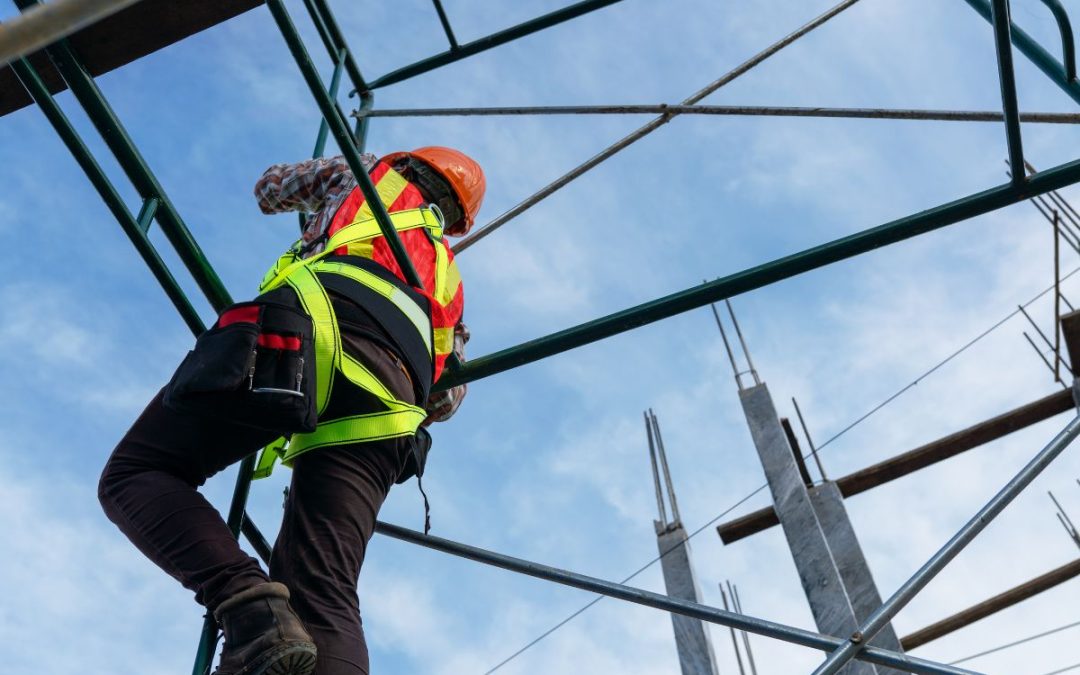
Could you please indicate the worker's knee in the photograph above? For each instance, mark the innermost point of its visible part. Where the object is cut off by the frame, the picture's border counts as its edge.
(108, 485)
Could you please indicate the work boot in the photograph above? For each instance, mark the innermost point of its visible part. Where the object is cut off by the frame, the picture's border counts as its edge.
(263, 636)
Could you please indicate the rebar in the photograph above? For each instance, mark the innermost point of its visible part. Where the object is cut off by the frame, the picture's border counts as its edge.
(745, 635)
(734, 640)
(1039, 352)
(727, 347)
(667, 472)
(655, 471)
(1045, 210)
(742, 341)
(806, 432)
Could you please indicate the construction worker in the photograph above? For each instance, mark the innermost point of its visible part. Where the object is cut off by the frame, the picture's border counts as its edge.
(378, 346)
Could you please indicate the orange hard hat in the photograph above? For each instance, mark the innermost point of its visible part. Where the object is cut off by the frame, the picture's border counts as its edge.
(464, 175)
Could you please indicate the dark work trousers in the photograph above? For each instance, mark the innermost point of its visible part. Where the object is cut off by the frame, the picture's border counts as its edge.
(148, 488)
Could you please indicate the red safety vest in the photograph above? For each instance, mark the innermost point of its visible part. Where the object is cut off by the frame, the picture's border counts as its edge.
(431, 256)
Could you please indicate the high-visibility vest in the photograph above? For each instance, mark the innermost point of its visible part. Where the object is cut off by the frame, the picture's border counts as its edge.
(309, 278)
(430, 254)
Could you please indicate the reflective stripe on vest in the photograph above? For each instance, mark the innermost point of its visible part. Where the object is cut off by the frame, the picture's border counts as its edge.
(400, 418)
(356, 232)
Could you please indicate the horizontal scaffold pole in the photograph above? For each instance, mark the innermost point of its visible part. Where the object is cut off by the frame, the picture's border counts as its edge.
(1027, 45)
(914, 460)
(765, 274)
(659, 601)
(458, 52)
(726, 111)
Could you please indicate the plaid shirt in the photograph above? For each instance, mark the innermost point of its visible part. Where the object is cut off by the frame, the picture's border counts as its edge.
(318, 187)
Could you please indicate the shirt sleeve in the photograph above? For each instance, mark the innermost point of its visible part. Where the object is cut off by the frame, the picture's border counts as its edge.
(442, 405)
(304, 186)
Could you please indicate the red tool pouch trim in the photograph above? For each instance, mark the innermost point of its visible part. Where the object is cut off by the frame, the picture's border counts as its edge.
(239, 314)
(274, 341)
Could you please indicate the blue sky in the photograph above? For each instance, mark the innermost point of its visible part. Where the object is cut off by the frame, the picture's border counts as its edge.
(549, 462)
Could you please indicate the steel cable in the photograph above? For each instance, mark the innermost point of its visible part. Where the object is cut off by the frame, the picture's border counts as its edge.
(1017, 642)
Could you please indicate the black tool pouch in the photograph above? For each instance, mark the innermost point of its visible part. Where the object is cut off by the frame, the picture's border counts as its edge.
(255, 367)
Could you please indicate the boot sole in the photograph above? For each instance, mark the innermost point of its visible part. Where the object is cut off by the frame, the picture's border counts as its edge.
(295, 659)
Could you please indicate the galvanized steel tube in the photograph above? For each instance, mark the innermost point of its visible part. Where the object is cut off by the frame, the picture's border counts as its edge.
(46, 23)
(876, 621)
(649, 599)
(1035, 52)
(1007, 79)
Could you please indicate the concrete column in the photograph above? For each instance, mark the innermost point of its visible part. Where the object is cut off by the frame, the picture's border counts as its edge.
(859, 585)
(830, 563)
(696, 655)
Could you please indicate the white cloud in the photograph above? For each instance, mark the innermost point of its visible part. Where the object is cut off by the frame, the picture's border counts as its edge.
(77, 596)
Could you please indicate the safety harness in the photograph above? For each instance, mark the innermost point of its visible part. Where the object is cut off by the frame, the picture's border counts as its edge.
(309, 278)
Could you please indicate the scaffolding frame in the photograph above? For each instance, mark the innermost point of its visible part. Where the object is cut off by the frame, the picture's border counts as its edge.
(156, 207)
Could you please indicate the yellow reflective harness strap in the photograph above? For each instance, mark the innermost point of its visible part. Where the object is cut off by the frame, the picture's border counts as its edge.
(360, 230)
(400, 418)
(363, 229)
(412, 311)
(270, 455)
(316, 304)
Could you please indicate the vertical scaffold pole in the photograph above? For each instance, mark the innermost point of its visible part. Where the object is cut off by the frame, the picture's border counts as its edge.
(1007, 77)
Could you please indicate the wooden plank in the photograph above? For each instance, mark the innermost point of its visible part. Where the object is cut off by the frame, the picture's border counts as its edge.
(1070, 330)
(919, 458)
(128, 35)
(793, 441)
(991, 605)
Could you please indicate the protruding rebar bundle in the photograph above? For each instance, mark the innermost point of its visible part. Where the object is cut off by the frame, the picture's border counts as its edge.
(810, 441)
(658, 457)
(734, 640)
(1063, 518)
(727, 346)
